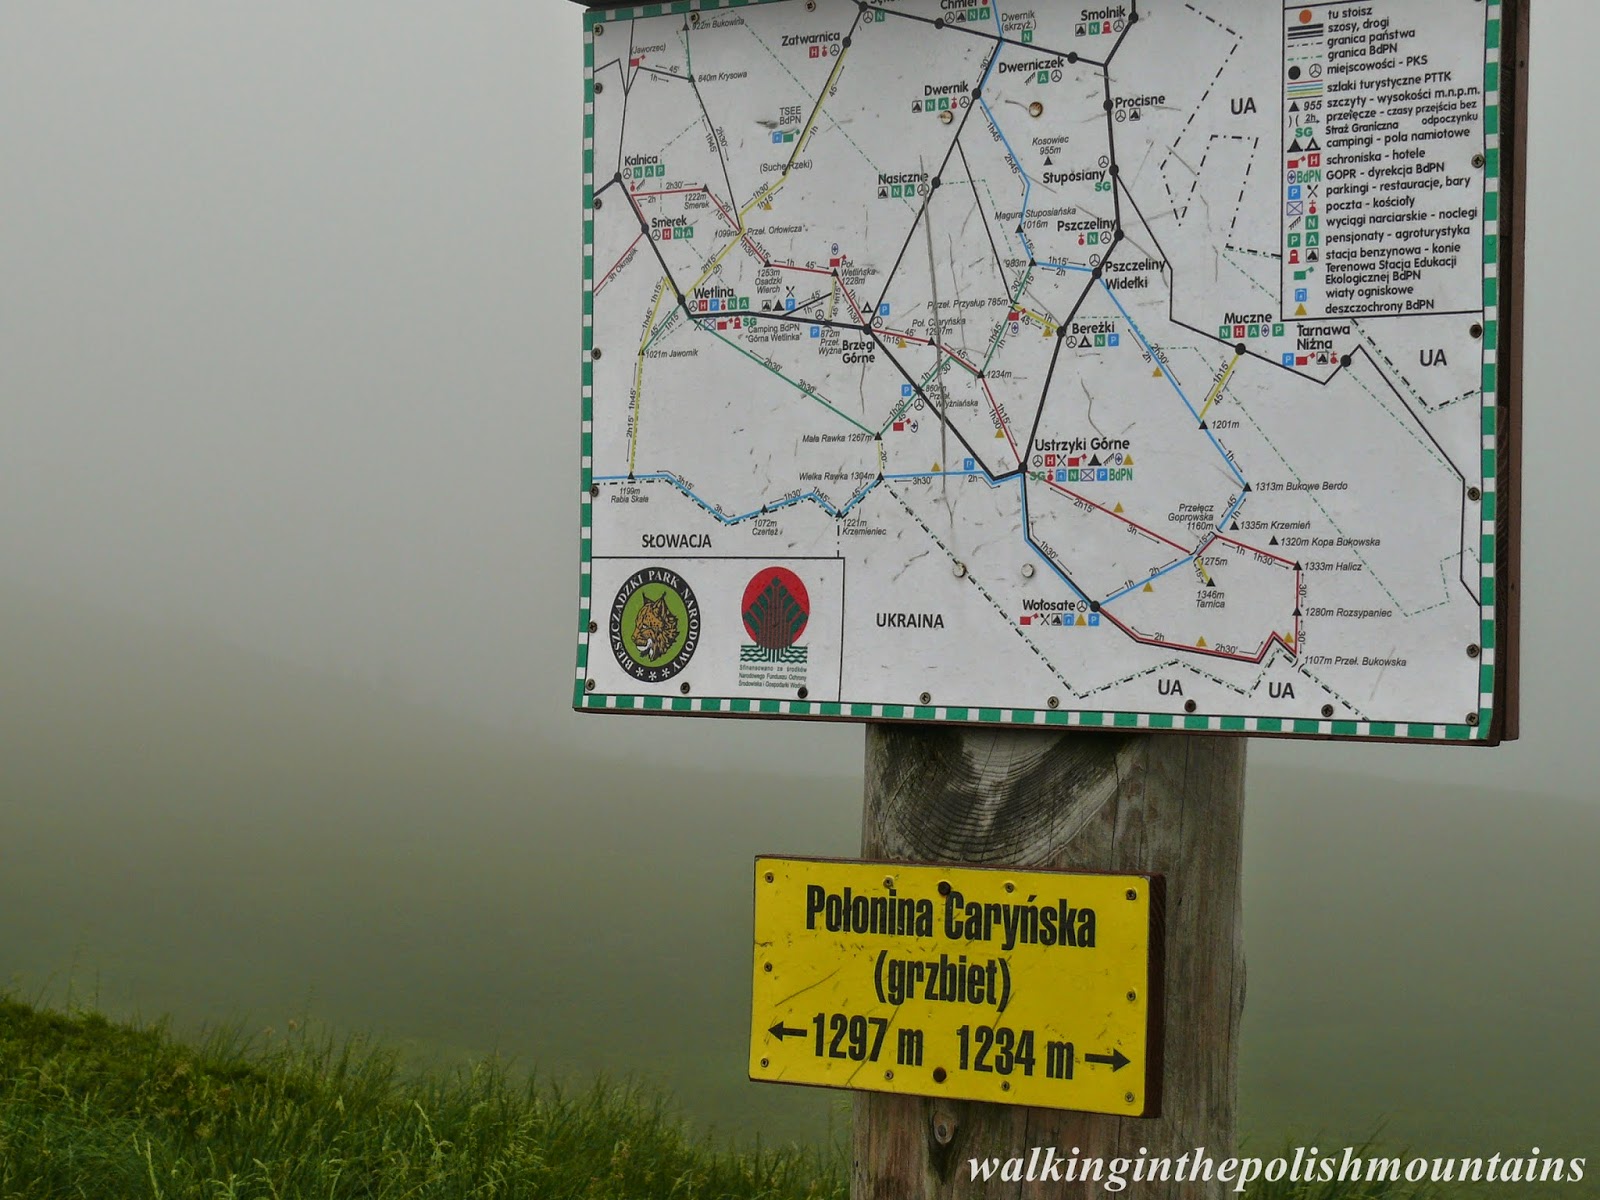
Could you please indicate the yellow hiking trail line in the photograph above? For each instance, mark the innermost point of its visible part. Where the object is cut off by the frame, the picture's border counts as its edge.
(1221, 386)
(638, 376)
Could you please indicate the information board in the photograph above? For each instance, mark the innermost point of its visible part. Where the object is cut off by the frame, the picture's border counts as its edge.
(1019, 987)
(1136, 365)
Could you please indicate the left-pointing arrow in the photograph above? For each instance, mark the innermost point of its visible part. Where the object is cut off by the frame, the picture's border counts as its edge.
(780, 1031)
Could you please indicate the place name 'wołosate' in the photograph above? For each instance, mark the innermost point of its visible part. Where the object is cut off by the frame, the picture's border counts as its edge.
(892, 915)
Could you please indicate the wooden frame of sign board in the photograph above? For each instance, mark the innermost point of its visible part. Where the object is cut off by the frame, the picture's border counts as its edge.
(1506, 504)
(1514, 63)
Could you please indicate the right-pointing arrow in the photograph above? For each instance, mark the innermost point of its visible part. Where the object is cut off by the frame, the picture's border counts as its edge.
(1116, 1060)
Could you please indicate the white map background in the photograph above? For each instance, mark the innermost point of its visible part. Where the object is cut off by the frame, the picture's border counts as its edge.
(984, 319)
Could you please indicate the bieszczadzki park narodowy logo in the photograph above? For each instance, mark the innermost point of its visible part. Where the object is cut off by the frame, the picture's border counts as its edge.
(655, 624)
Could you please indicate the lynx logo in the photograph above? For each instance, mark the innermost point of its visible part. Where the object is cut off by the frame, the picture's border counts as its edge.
(655, 624)
(776, 608)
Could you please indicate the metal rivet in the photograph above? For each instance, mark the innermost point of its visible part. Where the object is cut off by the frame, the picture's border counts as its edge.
(1132, 894)
(1327, 711)
(684, 688)
(944, 887)
(594, 627)
(888, 881)
(1479, 161)
(1027, 570)
(947, 116)
(1053, 702)
(599, 29)
(769, 876)
(803, 692)
(694, 18)
(1005, 1085)
(811, 5)
(925, 699)
(1010, 887)
(1133, 997)
(1128, 1096)
(765, 1062)
(1476, 331)
(888, 1074)
(595, 354)
(1190, 706)
(1474, 494)
(594, 489)
(767, 967)
(589, 686)
(598, 87)
(960, 570)
(1474, 650)
(1472, 718)
(938, 1074)
(1036, 109)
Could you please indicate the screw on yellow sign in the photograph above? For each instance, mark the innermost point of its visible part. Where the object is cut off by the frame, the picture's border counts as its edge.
(1038, 988)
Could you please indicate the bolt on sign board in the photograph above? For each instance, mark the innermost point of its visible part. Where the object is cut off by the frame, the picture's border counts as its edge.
(995, 362)
(1020, 987)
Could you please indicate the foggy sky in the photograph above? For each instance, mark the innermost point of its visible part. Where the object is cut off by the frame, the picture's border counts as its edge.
(289, 331)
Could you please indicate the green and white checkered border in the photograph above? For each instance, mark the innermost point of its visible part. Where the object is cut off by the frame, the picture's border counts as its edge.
(585, 699)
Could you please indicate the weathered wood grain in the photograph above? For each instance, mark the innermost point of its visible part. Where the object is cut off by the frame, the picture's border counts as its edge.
(1166, 803)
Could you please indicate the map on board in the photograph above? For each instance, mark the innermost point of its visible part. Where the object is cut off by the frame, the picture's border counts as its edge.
(1030, 363)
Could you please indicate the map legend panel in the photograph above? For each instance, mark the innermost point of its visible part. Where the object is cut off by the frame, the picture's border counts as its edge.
(1383, 154)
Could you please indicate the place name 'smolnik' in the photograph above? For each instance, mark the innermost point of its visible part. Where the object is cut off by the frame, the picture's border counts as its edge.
(907, 620)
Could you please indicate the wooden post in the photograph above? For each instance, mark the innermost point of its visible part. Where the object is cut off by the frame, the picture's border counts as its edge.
(1154, 802)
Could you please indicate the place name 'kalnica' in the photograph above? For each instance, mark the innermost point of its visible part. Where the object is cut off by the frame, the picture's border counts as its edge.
(901, 620)
(893, 915)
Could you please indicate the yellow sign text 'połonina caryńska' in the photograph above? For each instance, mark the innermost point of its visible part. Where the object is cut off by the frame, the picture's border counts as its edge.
(1019, 987)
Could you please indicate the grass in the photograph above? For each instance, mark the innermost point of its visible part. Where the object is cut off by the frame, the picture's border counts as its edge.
(95, 1109)
(100, 1110)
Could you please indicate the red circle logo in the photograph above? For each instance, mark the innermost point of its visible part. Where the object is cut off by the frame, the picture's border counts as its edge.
(776, 607)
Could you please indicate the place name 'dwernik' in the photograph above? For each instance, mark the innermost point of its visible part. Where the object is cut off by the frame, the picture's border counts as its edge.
(893, 915)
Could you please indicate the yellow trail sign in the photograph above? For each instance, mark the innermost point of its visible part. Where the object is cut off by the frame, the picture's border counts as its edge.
(1038, 988)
